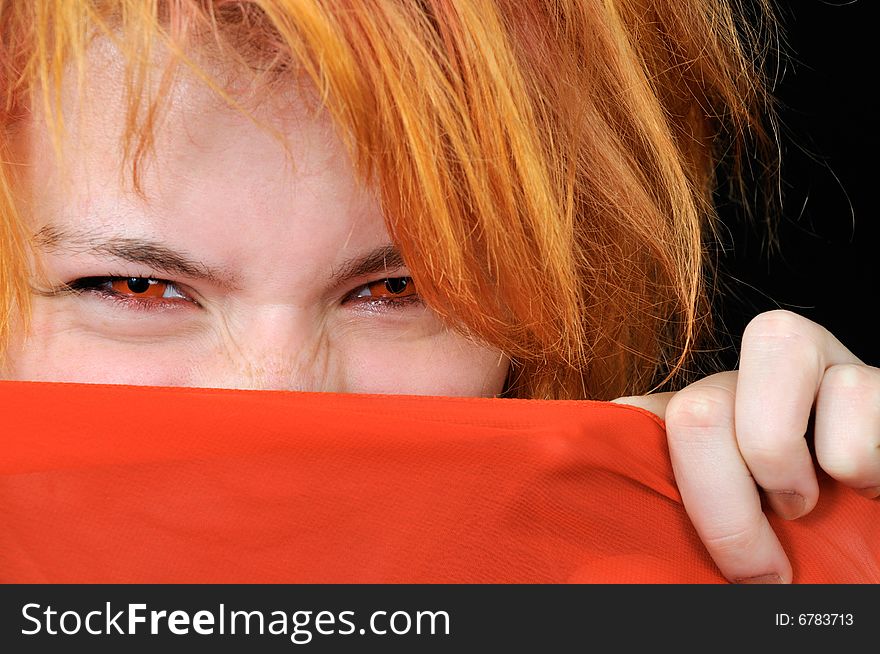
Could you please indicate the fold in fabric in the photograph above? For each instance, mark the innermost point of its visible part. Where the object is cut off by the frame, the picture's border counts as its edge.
(128, 484)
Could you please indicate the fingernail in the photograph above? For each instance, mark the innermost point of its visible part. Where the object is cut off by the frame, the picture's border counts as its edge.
(761, 579)
(870, 493)
(787, 504)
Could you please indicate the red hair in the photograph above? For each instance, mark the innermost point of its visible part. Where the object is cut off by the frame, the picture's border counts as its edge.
(545, 168)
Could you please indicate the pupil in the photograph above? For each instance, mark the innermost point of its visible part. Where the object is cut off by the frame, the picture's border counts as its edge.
(138, 284)
(396, 285)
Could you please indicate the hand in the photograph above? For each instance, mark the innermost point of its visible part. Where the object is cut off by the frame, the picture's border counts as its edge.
(733, 433)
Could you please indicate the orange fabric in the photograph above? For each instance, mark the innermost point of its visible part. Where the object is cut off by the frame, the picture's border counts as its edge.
(141, 484)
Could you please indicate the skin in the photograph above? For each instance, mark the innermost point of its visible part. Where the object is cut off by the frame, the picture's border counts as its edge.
(221, 193)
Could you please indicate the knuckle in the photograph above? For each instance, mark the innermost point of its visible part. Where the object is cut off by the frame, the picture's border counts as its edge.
(700, 407)
(737, 540)
(779, 329)
(759, 454)
(859, 382)
(849, 395)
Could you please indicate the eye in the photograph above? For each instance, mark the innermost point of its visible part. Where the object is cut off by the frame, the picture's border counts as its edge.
(143, 287)
(138, 292)
(392, 287)
(392, 292)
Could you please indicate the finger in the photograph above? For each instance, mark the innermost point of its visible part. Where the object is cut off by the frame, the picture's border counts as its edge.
(655, 403)
(716, 486)
(847, 427)
(784, 357)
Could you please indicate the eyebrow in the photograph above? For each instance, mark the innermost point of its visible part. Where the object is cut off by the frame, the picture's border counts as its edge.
(134, 250)
(383, 259)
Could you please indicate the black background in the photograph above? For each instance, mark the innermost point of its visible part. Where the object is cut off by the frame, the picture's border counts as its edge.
(825, 266)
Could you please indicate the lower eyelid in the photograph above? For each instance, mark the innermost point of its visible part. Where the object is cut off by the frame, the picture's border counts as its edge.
(387, 304)
(140, 301)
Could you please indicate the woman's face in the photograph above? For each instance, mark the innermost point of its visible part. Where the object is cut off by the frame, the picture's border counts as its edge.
(239, 270)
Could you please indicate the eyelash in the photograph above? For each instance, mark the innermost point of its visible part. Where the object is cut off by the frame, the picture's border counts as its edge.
(96, 285)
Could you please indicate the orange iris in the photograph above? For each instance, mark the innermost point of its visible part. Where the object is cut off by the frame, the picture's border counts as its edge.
(395, 287)
(139, 287)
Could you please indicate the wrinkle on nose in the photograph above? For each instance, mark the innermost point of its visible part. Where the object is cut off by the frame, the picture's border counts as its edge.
(265, 373)
(270, 357)
(273, 374)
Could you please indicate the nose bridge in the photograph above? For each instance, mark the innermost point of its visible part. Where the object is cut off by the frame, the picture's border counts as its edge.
(271, 349)
(271, 370)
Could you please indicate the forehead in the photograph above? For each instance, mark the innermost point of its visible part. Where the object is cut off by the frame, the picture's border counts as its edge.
(106, 104)
(273, 165)
(218, 118)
